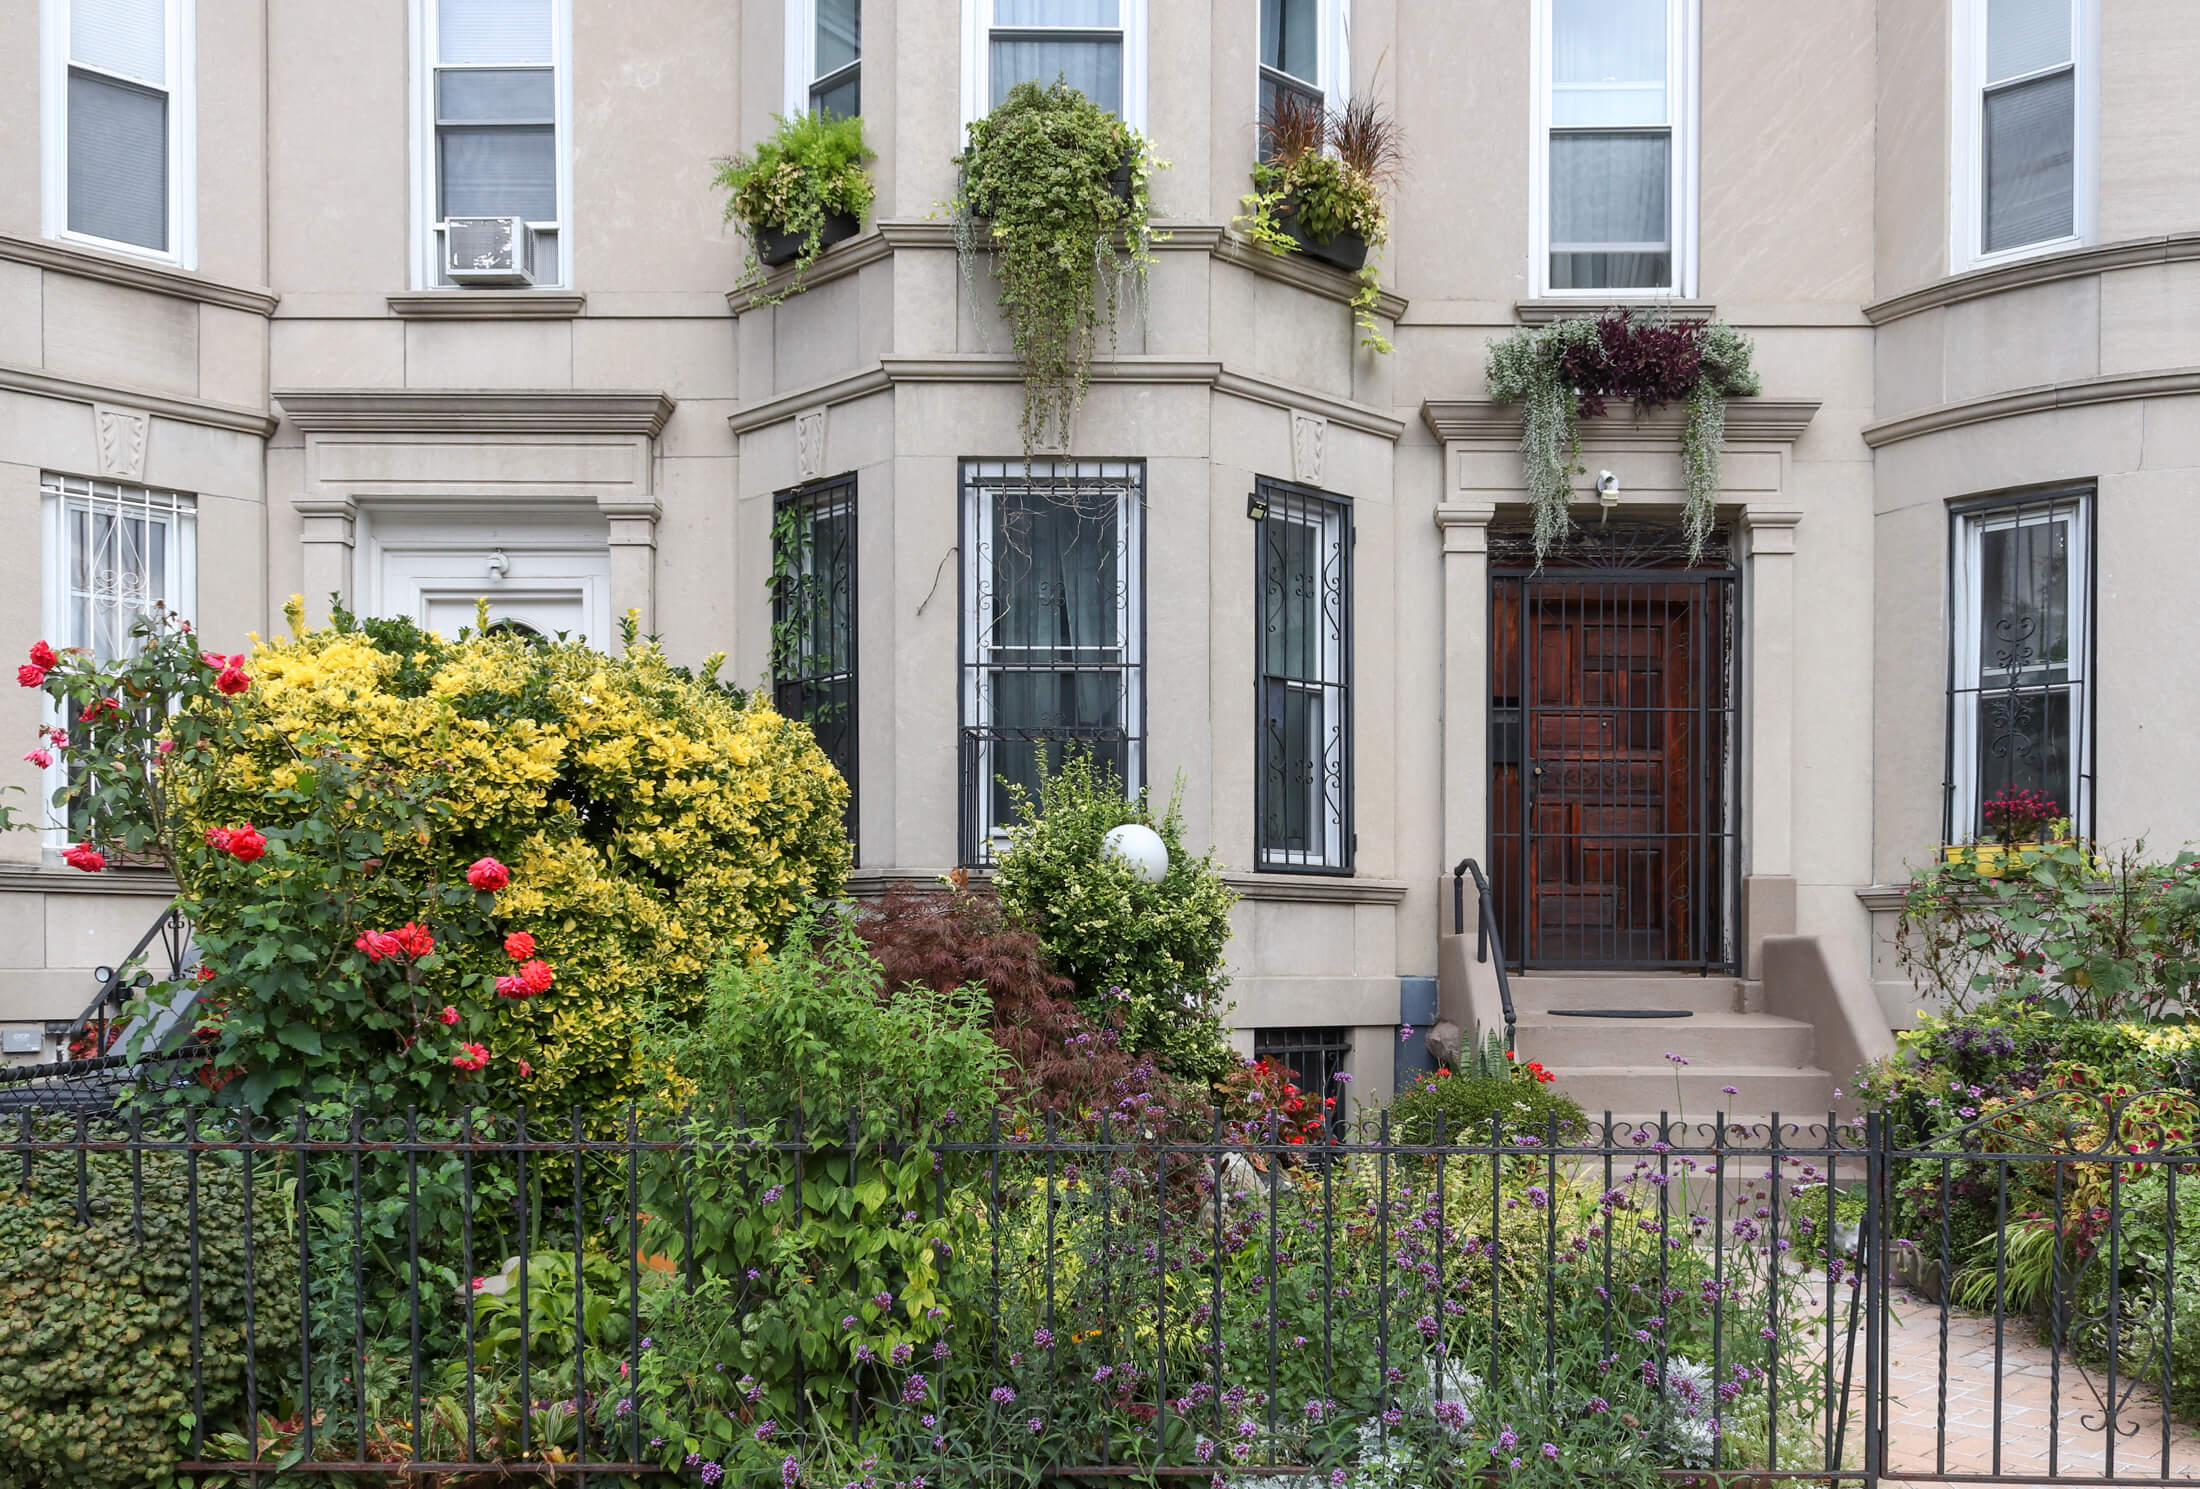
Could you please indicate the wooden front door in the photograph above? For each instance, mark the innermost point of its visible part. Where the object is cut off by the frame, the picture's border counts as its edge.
(1611, 784)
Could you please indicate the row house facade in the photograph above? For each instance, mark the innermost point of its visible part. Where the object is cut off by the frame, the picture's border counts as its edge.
(1961, 234)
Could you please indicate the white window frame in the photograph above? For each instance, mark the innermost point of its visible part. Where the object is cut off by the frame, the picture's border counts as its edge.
(802, 57)
(1333, 57)
(1967, 133)
(975, 479)
(182, 63)
(1682, 50)
(58, 495)
(977, 69)
(427, 225)
(1966, 645)
(1330, 519)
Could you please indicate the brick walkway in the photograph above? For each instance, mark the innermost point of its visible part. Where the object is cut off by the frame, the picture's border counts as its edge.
(2028, 1404)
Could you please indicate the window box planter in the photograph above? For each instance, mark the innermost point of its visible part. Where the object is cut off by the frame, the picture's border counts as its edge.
(1346, 251)
(1993, 860)
(774, 246)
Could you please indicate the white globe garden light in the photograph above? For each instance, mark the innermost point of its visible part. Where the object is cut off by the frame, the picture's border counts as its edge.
(1141, 847)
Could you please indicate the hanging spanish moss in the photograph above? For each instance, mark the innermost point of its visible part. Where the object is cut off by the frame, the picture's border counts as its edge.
(1564, 372)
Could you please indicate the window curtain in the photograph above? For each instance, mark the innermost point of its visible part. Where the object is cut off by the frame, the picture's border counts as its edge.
(2030, 134)
(1091, 64)
(118, 161)
(1611, 144)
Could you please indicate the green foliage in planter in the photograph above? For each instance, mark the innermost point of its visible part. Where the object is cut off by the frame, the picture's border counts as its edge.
(1330, 173)
(810, 168)
(1037, 190)
(95, 1354)
(1562, 373)
(1152, 952)
(1463, 1108)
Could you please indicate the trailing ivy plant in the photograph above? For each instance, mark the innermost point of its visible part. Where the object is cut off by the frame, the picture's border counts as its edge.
(1042, 188)
(1565, 372)
(1330, 173)
(810, 168)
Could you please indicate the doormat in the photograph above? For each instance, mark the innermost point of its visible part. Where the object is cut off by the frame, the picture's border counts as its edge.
(1621, 1013)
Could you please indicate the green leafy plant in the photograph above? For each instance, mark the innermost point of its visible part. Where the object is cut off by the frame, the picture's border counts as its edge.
(1564, 372)
(810, 168)
(1056, 188)
(1467, 1108)
(1327, 175)
(1151, 953)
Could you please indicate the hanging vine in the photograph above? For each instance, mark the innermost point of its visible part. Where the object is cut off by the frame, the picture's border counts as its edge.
(1565, 372)
(1056, 187)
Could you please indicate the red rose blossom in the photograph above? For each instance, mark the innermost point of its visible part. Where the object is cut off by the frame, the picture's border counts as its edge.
(30, 676)
(217, 838)
(519, 946)
(42, 655)
(471, 1057)
(536, 976)
(488, 876)
(449, 1015)
(246, 843)
(232, 681)
(84, 856)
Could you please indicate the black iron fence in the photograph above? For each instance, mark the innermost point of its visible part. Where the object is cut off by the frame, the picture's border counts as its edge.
(408, 1299)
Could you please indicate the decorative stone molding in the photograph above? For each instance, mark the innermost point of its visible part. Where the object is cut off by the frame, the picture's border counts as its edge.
(809, 442)
(2073, 263)
(230, 416)
(488, 305)
(1296, 270)
(1770, 530)
(1465, 525)
(34, 878)
(1316, 889)
(91, 263)
(1543, 312)
(1748, 420)
(452, 411)
(122, 435)
(1309, 432)
(2116, 387)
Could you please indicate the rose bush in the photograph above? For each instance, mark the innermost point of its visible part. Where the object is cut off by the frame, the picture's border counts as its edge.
(361, 816)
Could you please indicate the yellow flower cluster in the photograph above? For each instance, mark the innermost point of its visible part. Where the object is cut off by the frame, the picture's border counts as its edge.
(652, 822)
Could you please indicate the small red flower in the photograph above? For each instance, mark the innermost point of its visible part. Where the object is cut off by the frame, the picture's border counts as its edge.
(206, 973)
(533, 977)
(408, 942)
(471, 1057)
(30, 675)
(488, 876)
(232, 681)
(525, 1070)
(217, 838)
(377, 945)
(449, 1015)
(84, 856)
(42, 655)
(519, 946)
(39, 758)
(246, 844)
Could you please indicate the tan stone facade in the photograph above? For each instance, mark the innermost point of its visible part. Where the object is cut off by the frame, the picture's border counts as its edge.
(346, 426)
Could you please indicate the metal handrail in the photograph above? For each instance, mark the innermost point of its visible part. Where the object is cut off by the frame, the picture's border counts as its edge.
(114, 987)
(1485, 934)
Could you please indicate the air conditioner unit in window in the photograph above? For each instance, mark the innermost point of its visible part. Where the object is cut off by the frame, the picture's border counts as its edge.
(488, 250)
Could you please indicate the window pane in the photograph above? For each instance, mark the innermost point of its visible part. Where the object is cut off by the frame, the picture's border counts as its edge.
(2024, 741)
(493, 171)
(2031, 147)
(2024, 36)
(1608, 63)
(1274, 88)
(1287, 38)
(1094, 68)
(1102, 13)
(118, 161)
(839, 35)
(125, 36)
(1610, 211)
(497, 96)
(1057, 590)
(493, 31)
(2024, 603)
(843, 98)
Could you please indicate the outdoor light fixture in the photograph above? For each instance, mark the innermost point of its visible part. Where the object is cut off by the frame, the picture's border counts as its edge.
(1607, 492)
(1256, 505)
(499, 565)
(1141, 848)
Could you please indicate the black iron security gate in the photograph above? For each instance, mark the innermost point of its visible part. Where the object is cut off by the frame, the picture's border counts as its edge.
(1613, 768)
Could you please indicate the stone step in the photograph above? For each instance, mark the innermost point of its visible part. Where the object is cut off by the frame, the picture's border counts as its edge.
(1539, 992)
(1711, 1041)
(1696, 1094)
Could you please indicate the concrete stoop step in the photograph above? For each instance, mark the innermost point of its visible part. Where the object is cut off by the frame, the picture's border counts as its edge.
(1619, 1065)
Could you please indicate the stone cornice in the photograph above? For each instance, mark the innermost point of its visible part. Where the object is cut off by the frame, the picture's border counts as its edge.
(1302, 273)
(1748, 421)
(1541, 312)
(2120, 387)
(837, 262)
(1000, 367)
(90, 263)
(488, 305)
(1316, 889)
(460, 410)
(2073, 263)
(35, 878)
(235, 417)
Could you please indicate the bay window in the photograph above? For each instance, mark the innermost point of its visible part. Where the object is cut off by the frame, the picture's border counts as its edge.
(1304, 53)
(1097, 46)
(118, 124)
(825, 57)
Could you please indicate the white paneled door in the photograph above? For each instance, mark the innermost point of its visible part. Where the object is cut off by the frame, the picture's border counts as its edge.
(551, 578)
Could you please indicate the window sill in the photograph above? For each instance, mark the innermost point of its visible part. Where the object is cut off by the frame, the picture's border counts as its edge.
(134, 273)
(488, 305)
(1545, 309)
(2041, 268)
(1295, 887)
(55, 878)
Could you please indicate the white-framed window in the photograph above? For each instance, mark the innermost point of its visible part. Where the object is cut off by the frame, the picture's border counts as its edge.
(1305, 50)
(119, 126)
(492, 113)
(112, 553)
(1097, 46)
(2020, 697)
(2024, 123)
(825, 57)
(1613, 178)
(1302, 668)
(1053, 630)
